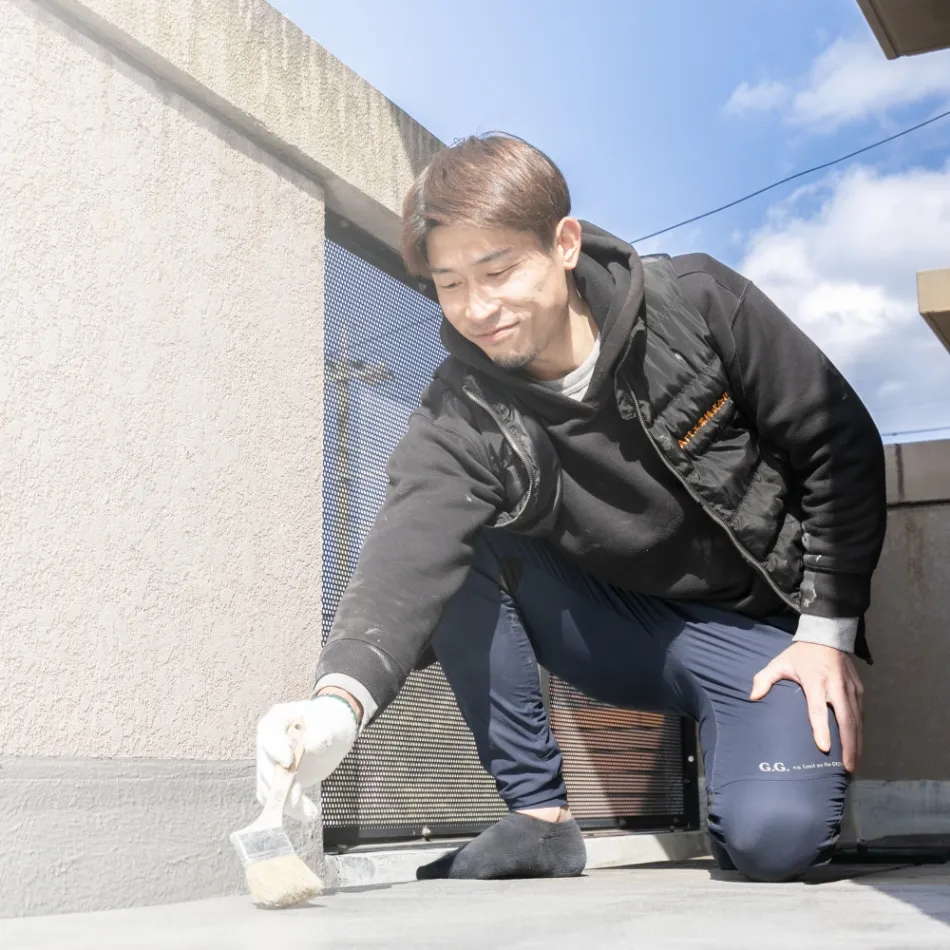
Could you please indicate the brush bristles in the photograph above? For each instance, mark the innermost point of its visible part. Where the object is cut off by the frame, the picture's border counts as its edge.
(282, 881)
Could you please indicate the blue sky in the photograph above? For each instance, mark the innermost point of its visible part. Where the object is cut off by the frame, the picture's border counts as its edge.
(659, 111)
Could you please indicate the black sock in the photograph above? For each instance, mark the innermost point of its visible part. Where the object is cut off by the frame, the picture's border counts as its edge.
(517, 846)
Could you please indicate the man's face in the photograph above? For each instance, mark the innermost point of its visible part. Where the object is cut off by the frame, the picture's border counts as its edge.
(502, 290)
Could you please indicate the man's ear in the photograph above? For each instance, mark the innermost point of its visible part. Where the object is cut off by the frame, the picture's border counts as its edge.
(567, 241)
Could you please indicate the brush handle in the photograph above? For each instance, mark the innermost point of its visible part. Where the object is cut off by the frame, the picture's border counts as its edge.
(283, 778)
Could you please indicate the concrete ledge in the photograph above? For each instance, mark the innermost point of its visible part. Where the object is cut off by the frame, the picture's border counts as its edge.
(875, 809)
(375, 867)
(96, 834)
(246, 63)
(890, 809)
(933, 299)
(623, 850)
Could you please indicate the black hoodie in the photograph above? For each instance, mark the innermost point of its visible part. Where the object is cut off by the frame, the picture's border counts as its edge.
(624, 518)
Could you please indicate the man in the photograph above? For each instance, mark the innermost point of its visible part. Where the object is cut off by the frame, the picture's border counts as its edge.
(637, 473)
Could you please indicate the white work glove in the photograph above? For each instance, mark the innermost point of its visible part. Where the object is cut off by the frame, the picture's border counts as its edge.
(330, 729)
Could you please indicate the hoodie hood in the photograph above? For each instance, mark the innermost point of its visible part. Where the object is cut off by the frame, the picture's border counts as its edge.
(609, 277)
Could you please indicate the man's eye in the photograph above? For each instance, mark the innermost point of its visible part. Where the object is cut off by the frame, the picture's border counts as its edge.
(448, 286)
(499, 273)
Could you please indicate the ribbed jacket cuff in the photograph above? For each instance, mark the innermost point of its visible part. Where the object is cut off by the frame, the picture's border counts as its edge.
(837, 632)
(365, 664)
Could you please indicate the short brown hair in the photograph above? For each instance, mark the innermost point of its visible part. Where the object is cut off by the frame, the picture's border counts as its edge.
(494, 180)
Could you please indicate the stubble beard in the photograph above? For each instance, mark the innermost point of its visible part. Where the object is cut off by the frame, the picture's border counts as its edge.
(516, 361)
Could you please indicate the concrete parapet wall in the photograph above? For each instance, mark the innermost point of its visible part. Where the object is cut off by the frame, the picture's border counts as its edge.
(274, 83)
(918, 473)
(906, 703)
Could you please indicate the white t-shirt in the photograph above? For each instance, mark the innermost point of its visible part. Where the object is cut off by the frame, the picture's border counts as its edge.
(575, 384)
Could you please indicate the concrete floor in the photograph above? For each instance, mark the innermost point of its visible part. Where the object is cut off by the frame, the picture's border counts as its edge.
(656, 907)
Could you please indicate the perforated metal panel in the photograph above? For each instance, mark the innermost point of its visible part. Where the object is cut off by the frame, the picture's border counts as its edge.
(416, 770)
(621, 767)
(417, 767)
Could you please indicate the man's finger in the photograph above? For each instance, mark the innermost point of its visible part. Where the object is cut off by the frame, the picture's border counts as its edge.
(859, 696)
(273, 740)
(761, 684)
(857, 727)
(766, 678)
(847, 725)
(856, 699)
(817, 701)
(859, 709)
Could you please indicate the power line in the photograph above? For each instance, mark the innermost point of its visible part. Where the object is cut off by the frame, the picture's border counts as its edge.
(807, 171)
(916, 431)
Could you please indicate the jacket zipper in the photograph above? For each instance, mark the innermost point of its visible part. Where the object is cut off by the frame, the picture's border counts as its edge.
(722, 524)
(483, 404)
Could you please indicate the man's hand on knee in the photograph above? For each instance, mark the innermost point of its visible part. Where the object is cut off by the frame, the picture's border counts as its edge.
(828, 678)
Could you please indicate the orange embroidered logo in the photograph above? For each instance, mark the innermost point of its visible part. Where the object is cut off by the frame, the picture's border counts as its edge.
(720, 402)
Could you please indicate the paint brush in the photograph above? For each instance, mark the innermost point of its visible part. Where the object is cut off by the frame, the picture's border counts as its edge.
(276, 875)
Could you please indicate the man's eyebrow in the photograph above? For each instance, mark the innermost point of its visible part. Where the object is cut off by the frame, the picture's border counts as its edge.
(487, 259)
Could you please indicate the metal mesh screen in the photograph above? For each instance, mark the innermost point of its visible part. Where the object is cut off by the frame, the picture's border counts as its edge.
(621, 767)
(417, 767)
(416, 771)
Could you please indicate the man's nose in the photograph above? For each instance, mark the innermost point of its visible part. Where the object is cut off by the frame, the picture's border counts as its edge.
(480, 307)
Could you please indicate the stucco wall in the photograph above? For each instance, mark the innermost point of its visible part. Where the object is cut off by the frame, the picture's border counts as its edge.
(160, 365)
(164, 171)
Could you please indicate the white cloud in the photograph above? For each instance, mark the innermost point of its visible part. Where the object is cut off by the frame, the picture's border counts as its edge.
(762, 97)
(848, 82)
(853, 80)
(846, 273)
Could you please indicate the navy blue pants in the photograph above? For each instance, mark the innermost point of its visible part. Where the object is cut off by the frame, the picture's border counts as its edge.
(775, 800)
